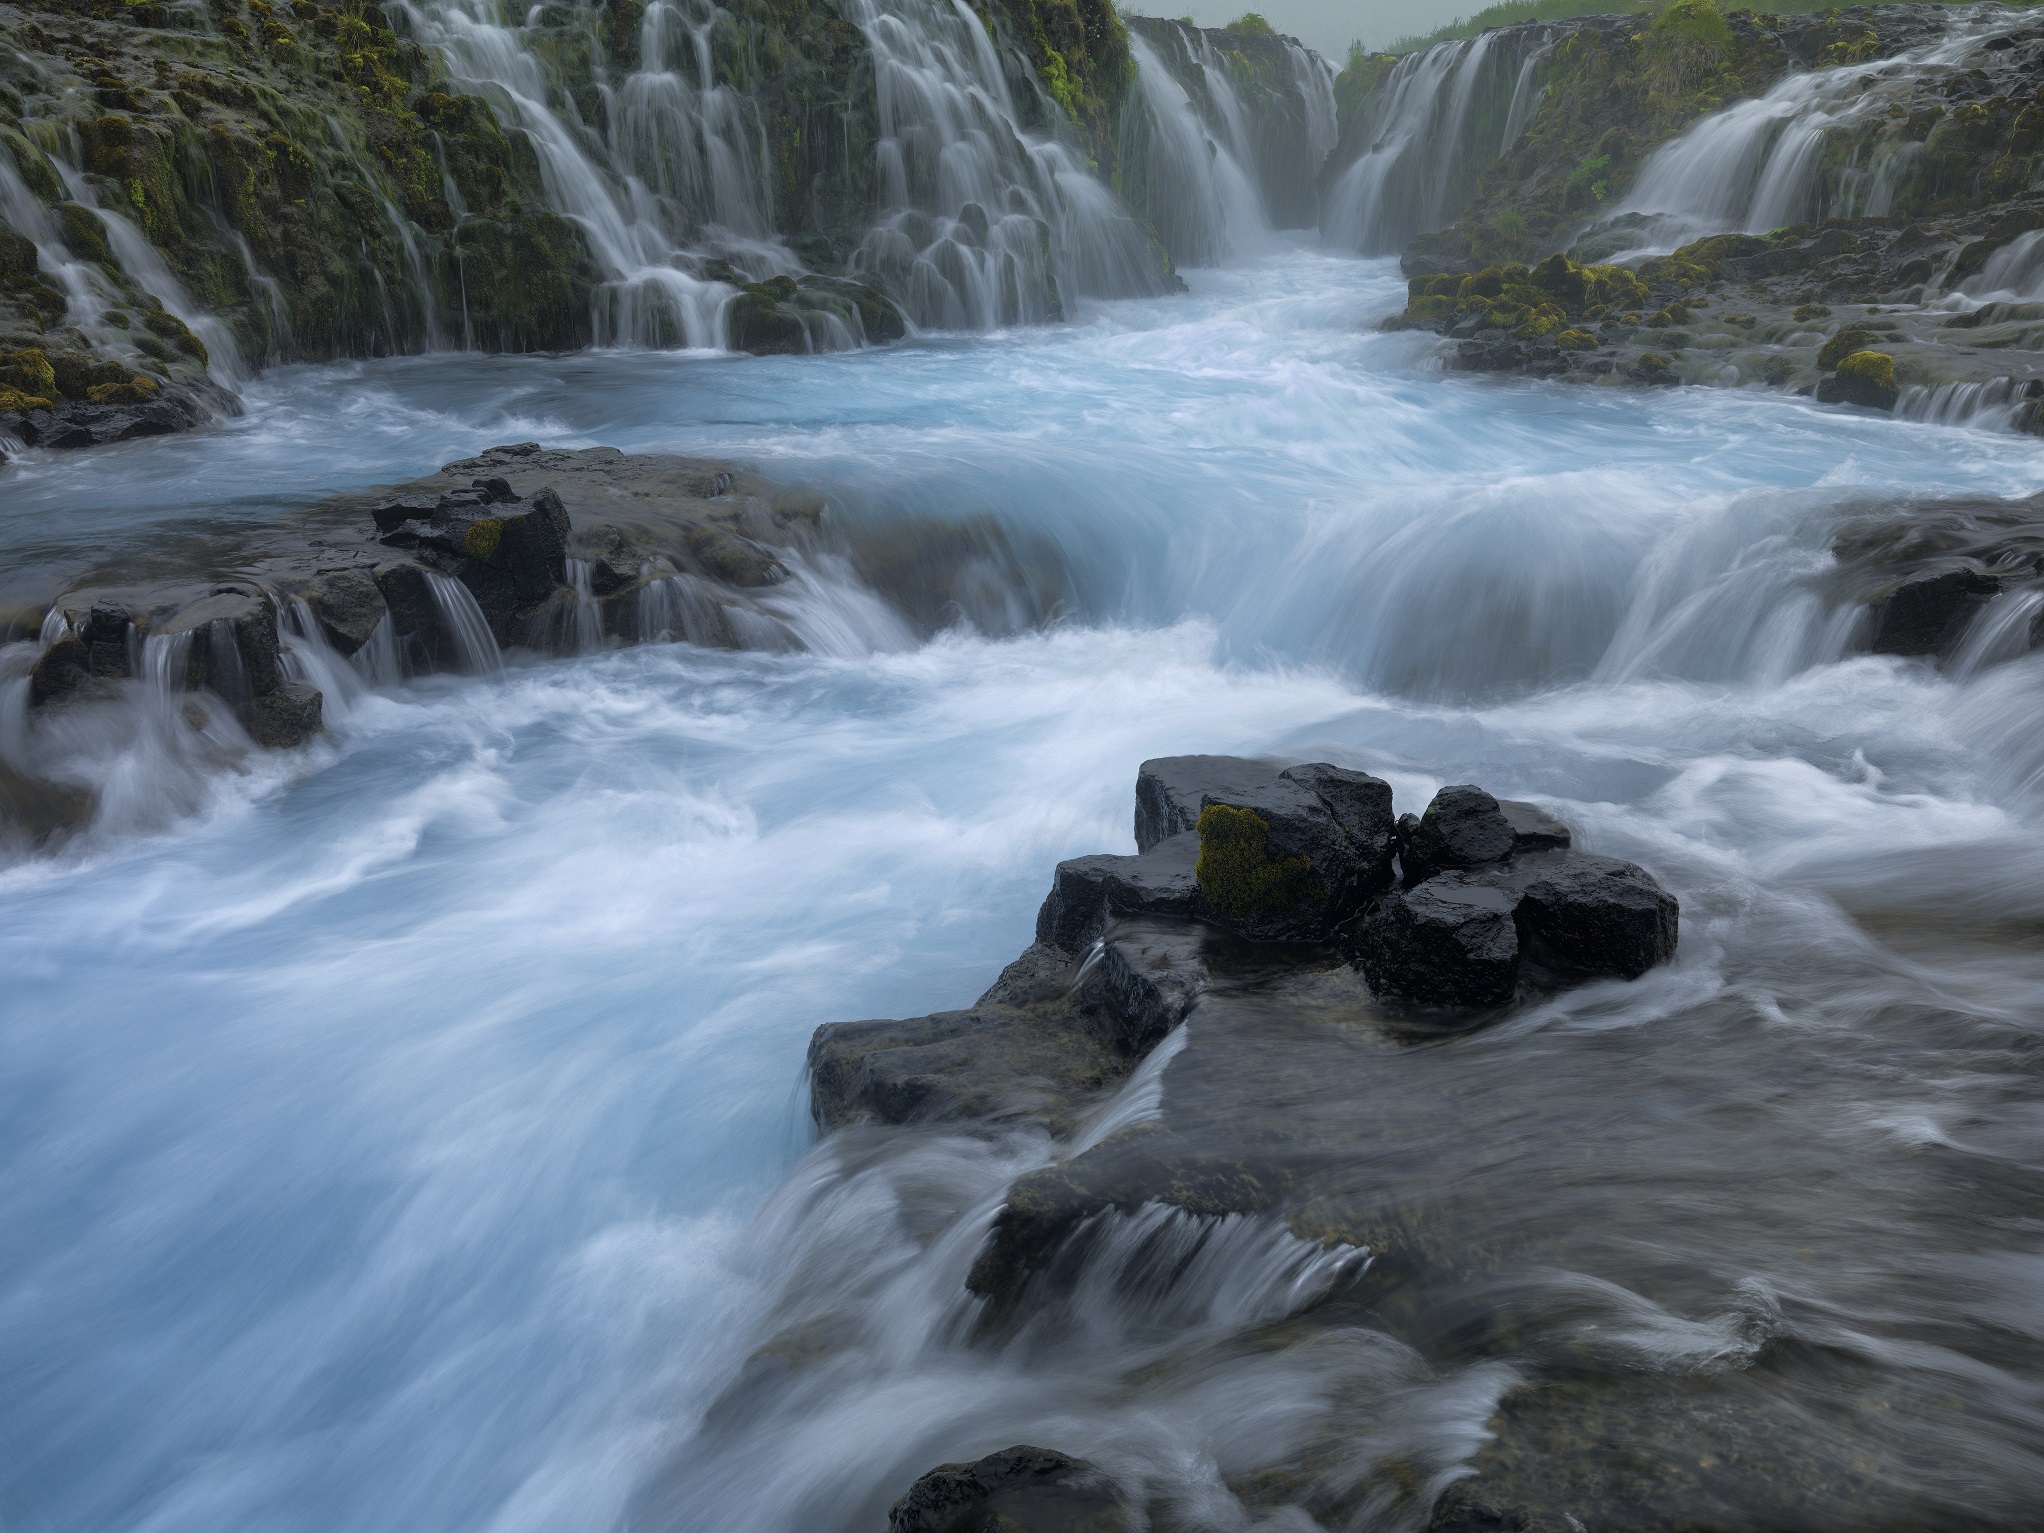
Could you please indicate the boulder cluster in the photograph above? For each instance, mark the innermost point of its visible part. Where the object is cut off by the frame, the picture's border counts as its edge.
(1452, 907)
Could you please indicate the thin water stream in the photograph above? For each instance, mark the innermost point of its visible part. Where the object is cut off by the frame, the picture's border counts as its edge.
(410, 1133)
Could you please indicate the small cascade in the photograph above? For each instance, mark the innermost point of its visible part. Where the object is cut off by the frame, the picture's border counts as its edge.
(87, 292)
(145, 268)
(308, 657)
(1196, 194)
(380, 660)
(1823, 143)
(467, 630)
(676, 609)
(586, 621)
(1992, 404)
(166, 659)
(986, 226)
(1445, 115)
(2005, 629)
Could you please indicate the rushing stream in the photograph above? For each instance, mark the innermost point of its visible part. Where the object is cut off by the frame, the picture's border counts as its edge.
(390, 1135)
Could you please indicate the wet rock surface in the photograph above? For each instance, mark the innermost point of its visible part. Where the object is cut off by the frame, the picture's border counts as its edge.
(1483, 1245)
(1018, 1490)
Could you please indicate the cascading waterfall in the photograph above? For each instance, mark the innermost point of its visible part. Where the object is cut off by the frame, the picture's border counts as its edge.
(1229, 139)
(1820, 144)
(1197, 195)
(1445, 116)
(986, 226)
(637, 230)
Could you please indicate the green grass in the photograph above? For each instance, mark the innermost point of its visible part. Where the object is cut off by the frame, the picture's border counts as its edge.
(1508, 12)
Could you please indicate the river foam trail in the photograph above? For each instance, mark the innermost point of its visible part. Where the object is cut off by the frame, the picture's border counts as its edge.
(394, 1142)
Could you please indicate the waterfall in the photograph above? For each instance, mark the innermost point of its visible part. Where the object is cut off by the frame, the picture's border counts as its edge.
(1197, 195)
(87, 292)
(1224, 136)
(141, 264)
(1445, 115)
(1824, 143)
(637, 231)
(985, 226)
(468, 631)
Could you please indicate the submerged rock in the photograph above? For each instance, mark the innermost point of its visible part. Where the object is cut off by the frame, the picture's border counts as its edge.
(1930, 614)
(1018, 1490)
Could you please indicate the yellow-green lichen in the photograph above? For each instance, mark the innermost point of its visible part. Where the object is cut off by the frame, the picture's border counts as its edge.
(1236, 872)
(482, 538)
(1876, 367)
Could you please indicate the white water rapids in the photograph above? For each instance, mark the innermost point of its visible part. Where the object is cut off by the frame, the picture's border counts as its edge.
(410, 1133)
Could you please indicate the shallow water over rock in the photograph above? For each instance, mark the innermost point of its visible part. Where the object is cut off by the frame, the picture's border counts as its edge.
(410, 1131)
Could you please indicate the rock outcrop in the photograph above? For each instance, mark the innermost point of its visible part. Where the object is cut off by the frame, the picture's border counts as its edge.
(1285, 870)
(1018, 1490)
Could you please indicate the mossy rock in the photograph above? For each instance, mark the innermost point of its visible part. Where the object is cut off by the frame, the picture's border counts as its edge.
(1576, 340)
(138, 390)
(1430, 307)
(14, 401)
(1842, 345)
(28, 372)
(1875, 367)
(1235, 871)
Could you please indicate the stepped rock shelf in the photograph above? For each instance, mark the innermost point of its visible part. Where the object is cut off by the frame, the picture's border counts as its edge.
(521, 549)
(1305, 978)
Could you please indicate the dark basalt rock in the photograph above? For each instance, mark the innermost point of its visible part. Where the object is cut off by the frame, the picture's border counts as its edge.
(409, 599)
(1930, 614)
(1153, 974)
(1533, 828)
(1018, 1490)
(1171, 791)
(286, 716)
(105, 632)
(1462, 828)
(1851, 389)
(75, 424)
(347, 604)
(60, 670)
(512, 561)
(1458, 937)
(1592, 915)
(1451, 941)
(1086, 892)
(234, 648)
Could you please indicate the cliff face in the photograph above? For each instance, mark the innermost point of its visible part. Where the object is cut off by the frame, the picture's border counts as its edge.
(1540, 130)
(305, 175)
(192, 188)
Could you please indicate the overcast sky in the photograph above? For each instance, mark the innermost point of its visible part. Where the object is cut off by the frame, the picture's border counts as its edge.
(1326, 25)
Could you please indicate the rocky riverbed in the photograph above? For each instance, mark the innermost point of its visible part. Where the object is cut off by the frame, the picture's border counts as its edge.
(1310, 1081)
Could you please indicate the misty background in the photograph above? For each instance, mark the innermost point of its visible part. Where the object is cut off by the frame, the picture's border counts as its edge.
(1326, 26)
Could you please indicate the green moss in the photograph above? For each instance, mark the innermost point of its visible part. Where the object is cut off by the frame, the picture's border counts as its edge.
(482, 538)
(28, 371)
(1235, 870)
(1252, 23)
(1842, 345)
(1875, 367)
(138, 390)
(1576, 340)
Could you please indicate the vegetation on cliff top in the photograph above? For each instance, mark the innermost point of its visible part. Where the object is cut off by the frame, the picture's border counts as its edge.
(1511, 12)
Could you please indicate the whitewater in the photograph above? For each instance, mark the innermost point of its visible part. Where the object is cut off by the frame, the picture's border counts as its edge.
(411, 1132)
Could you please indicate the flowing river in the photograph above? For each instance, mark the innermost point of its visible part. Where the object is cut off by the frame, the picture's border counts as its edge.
(412, 1133)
